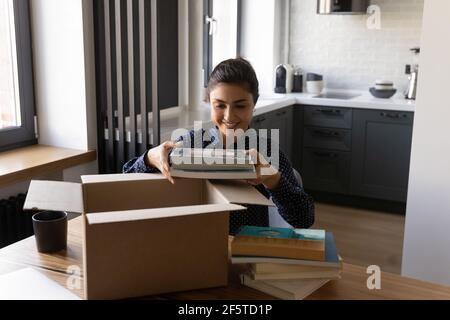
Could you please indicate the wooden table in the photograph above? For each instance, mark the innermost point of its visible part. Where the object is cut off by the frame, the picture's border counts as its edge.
(351, 286)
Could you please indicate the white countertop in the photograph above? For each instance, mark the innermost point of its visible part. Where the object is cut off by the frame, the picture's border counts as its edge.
(364, 100)
(174, 118)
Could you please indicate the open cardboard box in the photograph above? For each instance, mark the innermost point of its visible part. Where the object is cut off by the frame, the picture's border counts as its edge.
(143, 235)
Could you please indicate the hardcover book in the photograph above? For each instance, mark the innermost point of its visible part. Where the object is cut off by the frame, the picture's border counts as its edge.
(273, 271)
(332, 258)
(211, 164)
(292, 289)
(279, 242)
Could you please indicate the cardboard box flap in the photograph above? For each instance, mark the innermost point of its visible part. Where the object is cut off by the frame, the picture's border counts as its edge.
(54, 195)
(145, 214)
(240, 192)
(224, 175)
(99, 178)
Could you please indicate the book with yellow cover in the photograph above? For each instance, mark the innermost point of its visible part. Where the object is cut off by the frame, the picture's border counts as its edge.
(303, 244)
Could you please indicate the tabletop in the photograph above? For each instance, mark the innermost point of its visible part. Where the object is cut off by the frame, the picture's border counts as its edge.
(352, 285)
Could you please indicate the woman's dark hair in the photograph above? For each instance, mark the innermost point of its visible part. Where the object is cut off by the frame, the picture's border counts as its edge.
(234, 71)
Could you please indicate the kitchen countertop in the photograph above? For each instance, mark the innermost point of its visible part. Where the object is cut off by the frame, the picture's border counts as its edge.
(363, 100)
(184, 117)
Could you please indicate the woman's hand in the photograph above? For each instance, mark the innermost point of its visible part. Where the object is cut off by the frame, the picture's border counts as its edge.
(158, 157)
(266, 173)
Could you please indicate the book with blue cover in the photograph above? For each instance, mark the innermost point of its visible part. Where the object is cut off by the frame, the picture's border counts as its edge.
(284, 233)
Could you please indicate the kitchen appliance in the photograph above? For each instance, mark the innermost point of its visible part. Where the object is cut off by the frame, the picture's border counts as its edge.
(298, 80)
(342, 6)
(314, 83)
(413, 71)
(283, 78)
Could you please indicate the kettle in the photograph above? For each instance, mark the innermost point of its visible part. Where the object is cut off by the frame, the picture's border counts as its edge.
(283, 78)
(412, 70)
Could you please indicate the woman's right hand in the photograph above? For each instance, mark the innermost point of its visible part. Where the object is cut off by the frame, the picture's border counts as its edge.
(158, 157)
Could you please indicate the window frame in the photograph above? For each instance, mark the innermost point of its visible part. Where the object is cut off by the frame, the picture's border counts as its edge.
(208, 39)
(15, 137)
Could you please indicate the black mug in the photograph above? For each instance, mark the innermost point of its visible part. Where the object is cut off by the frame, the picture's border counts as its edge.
(50, 230)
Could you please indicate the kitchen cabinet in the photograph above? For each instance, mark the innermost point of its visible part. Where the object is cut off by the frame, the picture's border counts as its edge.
(328, 138)
(330, 117)
(297, 137)
(363, 153)
(282, 120)
(381, 150)
(326, 170)
(357, 152)
(326, 149)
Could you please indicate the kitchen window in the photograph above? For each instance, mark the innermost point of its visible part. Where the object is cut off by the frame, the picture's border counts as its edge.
(16, 76)
(221, 30)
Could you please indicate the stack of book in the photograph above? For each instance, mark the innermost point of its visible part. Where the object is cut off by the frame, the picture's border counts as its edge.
(211, 164)
(286, 263)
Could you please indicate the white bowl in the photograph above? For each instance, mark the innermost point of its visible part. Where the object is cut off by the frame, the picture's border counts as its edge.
(384, 82)
(384, 87)
(314, 87)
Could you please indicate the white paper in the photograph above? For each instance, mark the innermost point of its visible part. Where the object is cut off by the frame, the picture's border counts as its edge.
(29, 284)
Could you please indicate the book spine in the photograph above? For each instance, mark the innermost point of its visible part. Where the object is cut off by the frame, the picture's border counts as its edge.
(248, 249)
(304, 275)
(263, 268)
(312, 244)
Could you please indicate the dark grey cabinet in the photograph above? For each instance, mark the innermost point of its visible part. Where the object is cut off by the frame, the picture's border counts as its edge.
(328, 138)
(381, 150)
(297, 137)
(326, 149)
(328, 117)
(279, 119)
(326, 170)
(345, 151)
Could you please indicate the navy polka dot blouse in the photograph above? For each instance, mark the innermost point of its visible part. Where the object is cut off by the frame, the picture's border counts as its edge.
(293, 203)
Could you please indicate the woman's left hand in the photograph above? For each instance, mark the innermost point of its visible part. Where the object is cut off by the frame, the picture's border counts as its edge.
(266, 173)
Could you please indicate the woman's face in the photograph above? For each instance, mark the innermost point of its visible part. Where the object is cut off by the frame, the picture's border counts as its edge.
(231, 107)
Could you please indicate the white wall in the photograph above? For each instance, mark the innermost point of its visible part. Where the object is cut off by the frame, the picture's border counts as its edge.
(64, 72)
(65, 93)
(224, 41)
(257, 39)
(426, 251)
(346, 52)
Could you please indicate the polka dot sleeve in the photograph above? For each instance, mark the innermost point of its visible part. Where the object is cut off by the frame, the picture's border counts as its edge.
(137, 165)
(293, 203)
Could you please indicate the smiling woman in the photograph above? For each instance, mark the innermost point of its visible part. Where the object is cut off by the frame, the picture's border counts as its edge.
(233, 93)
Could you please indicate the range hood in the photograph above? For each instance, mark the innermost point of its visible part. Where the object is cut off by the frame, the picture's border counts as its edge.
(342, 6)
